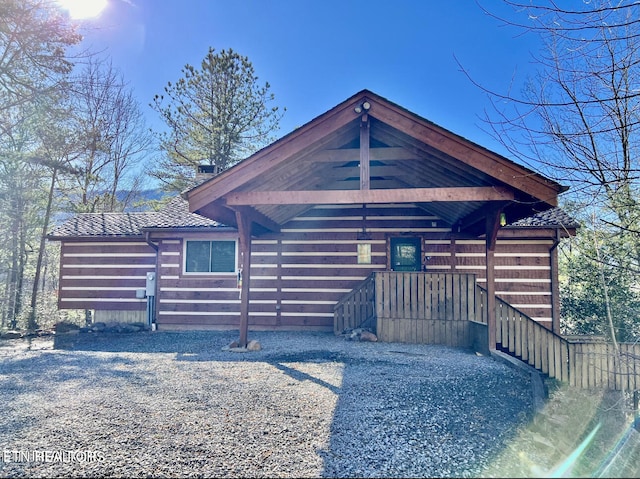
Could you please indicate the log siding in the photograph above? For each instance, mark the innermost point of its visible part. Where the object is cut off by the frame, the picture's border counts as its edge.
(104, 275)
(297, 275)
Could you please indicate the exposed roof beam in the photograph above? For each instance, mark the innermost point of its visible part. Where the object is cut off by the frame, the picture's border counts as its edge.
(369, 196)
(312, 135)
(466, 152)
(353, 154)
(254, 216)
(375, 170)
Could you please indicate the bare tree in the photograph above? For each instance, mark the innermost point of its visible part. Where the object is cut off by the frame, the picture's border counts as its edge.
(20, 198)
(578, 120)
(54, 158)
(34, 38)
(112, 139)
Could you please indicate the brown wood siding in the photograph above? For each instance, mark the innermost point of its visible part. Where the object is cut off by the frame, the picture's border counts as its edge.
(104, 274)
(299, 274)
(522, 272)
(189, 300)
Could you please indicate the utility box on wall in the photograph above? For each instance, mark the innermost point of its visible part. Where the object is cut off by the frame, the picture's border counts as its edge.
(151, 284)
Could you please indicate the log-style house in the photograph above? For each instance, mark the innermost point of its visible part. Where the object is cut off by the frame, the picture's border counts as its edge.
(281, 238)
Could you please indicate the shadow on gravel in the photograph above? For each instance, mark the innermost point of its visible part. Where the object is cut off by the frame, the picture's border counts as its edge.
(33, 388)
(400, 411)
(145, 342)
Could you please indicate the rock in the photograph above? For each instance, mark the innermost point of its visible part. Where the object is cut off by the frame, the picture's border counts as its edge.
(354, 334)
(11, 335)
(368, 336)
(359, 334)
(66, 327)
(232, 345)
(253, 345)
(129, 328)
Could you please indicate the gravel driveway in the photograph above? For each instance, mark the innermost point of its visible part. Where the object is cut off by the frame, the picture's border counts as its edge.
(174, 404)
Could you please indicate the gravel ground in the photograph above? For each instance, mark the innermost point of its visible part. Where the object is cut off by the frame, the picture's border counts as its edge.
(174, 404)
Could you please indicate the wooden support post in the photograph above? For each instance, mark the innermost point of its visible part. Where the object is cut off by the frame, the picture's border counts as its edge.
(244, 230)
(365, 170)
(491, 228)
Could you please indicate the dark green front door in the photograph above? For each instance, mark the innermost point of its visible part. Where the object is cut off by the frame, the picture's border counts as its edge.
(406, 254)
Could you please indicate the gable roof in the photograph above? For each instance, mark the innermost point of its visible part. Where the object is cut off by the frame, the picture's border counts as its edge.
(407, 159)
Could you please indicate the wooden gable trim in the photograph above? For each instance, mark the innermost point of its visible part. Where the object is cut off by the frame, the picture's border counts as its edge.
(465, 151)
(214, 197)
(261, 162)
(403, 195)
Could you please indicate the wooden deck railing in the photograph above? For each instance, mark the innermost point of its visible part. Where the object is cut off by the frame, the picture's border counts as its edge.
(357, 308)
(525, 339)
(581, 364)
(432, 308)
(411, 307)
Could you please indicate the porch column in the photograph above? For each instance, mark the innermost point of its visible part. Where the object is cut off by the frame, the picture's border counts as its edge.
(492, 226)
(244, 230)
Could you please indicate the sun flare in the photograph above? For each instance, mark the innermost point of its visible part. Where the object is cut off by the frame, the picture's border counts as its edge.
(80, 9)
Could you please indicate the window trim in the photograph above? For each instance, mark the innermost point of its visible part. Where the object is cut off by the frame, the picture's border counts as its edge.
(208, 273)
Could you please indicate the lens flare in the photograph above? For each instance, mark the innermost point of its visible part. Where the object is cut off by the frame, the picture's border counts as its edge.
(80, 9)
(566, 466)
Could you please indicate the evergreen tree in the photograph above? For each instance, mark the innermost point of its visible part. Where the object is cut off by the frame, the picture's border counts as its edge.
(216, 115)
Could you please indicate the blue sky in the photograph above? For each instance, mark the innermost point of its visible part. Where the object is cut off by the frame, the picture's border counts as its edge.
(315, 54)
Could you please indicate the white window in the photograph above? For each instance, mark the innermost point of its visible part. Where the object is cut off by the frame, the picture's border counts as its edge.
(210, 256)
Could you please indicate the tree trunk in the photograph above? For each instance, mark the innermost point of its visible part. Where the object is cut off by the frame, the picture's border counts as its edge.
(33, 324)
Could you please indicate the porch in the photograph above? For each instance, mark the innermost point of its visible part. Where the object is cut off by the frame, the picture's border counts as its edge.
(453, 310)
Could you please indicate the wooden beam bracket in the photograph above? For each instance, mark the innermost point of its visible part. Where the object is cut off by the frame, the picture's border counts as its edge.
(378, 196)
(365, 168)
